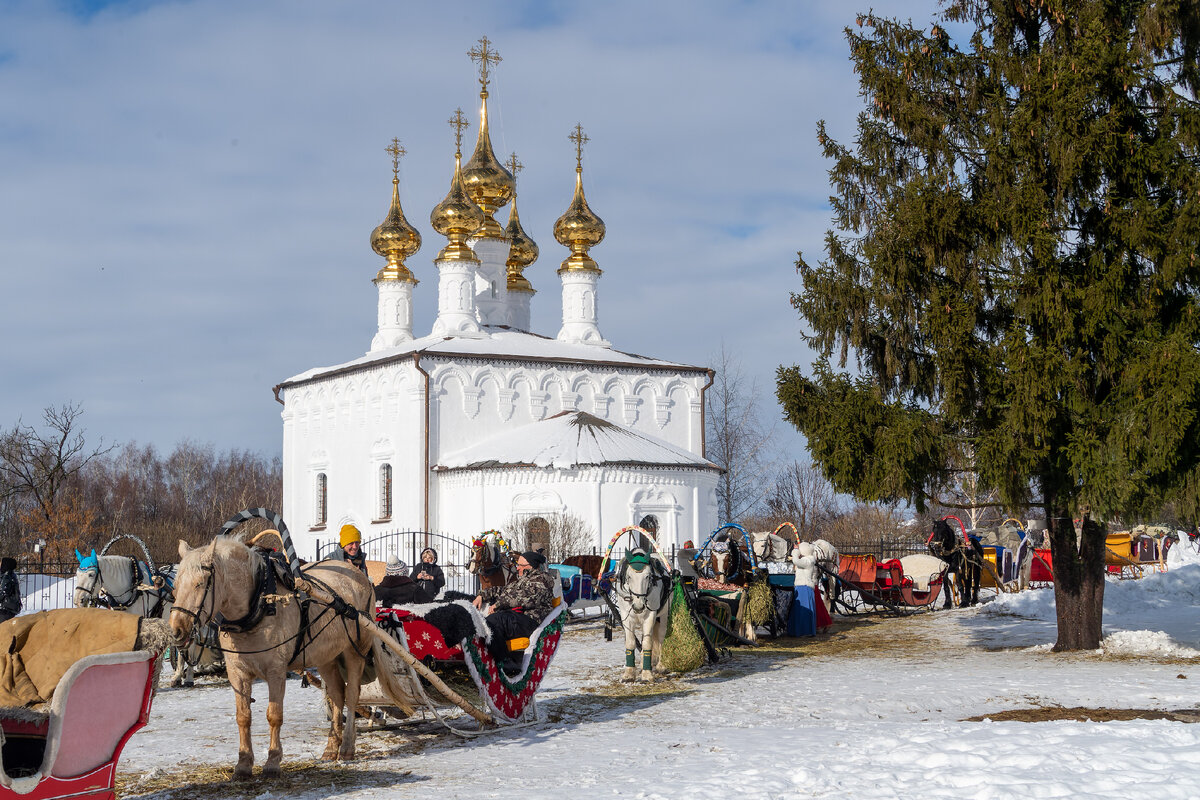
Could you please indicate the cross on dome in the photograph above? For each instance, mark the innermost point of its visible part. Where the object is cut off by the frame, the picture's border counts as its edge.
(458, 122)
(580, 139)
(514, 166)
(486, 58)
(397, 152)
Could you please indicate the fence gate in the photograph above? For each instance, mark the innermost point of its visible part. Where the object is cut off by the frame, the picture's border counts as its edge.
(453, 555)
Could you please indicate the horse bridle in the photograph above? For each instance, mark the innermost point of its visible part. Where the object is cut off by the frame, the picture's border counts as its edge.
(197, 623)
(110, 600)
(656, 577)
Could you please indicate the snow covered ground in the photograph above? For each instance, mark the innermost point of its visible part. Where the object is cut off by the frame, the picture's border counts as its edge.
(878, 709)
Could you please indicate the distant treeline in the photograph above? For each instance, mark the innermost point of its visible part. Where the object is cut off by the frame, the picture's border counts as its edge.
(56, 488)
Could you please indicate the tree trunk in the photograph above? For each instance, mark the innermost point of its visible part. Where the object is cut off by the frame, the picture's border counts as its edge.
(1078, 581)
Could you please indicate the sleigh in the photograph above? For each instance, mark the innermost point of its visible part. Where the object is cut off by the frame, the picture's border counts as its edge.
(452, 638)
(867, 584)
(71, 750)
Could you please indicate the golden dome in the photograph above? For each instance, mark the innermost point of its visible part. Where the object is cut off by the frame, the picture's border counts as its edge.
(522, 251)
(456, 217)
(486, 180)
(579, 228)
(395, 239)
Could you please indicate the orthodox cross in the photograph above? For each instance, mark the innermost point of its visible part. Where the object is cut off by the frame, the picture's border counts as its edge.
(580, 139)
(397, 151)
(513, 165)
(458, 122)
(486, 57)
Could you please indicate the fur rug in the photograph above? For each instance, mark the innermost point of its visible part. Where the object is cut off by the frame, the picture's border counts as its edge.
(457, 620)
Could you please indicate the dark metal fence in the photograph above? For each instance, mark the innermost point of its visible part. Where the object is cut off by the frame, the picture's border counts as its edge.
(46, 584)
(882, 547)
(453, 555)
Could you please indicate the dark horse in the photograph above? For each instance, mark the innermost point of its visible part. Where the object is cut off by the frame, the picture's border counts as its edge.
(493, 565)
(966, 562)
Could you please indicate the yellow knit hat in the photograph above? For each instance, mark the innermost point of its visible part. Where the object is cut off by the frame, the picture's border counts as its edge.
(350, 534)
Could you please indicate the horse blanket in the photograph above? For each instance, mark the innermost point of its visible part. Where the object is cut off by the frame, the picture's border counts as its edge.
(36, 649)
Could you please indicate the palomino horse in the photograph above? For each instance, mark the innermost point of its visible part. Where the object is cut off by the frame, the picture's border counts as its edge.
(643, 589)
(125, 584)
(264, 636)
(490, 562)
(965, 559)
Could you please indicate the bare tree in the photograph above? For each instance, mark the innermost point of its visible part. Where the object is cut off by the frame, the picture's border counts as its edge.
(803, 496)
(563, 534)
(737, 440)
(39, 471)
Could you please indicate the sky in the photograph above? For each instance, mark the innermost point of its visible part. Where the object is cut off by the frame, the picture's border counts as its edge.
(187, 189)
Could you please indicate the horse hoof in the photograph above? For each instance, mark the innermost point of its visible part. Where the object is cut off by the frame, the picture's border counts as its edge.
(243, 772)
(188, 684)
(271, 771)
(646, 677)
(346, 754)
(628, 674)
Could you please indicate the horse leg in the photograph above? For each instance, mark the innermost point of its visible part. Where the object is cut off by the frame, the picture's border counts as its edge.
(275, 689)
(242, 683)
(335, 698)
(354, 670)
(648, 645)
(630, 646)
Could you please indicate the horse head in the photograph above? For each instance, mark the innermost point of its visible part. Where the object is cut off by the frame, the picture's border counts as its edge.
(212, 582)
(641, 582)
(769, 546)
(730, 565)
(942, 540)
(87, 579)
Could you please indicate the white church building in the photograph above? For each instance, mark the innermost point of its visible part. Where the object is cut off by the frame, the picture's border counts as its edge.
(482, 421)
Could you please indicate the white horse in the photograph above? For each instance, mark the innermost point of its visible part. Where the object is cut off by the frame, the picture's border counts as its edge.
(125, 584)
(643, 589)
(769, 546)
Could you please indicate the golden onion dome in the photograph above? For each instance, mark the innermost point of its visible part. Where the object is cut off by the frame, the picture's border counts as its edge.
(486, 180)
(395, 240)
(522, 252)
(579, 229)
(456, 217)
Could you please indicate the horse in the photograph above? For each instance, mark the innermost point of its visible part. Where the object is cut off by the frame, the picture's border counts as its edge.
(730, 565)
(590, 564)
(267, 629)
(965, 561)
(769, 546)
(643, 589)
(493, 565)
(125, 584)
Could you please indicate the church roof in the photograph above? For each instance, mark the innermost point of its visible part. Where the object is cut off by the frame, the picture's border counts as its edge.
(573, 439)
(500, 344)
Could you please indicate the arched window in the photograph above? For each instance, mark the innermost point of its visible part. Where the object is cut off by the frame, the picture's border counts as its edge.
(537, 529)
(385, 491)
(322, 498)
(649, 524)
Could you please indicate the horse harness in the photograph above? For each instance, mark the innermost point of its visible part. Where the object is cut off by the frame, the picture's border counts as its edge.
(110, 601)
(272, 571)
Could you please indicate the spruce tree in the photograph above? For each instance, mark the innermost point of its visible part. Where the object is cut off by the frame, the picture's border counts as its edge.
(1015, 270)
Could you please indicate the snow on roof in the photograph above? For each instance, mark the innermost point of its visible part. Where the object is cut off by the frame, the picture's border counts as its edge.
(497, 343)
(572, 439)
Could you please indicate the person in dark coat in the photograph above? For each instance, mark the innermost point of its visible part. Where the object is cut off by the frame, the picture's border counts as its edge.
(10, 589)
(518, 607)
(429, 574)
(397, 588)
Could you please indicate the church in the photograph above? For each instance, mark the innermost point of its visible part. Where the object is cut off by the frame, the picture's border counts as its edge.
(482, 422)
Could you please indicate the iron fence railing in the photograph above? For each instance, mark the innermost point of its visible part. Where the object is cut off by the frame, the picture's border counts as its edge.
(46, 585)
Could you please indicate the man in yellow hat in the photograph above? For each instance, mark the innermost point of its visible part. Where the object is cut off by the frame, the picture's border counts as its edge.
(351, 542)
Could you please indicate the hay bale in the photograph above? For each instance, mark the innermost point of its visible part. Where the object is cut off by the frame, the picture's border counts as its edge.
(761, 606)
(682, 650)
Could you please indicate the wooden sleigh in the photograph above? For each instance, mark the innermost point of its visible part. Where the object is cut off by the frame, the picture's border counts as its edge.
(71, 750)
(895, 584)
(509, 696)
